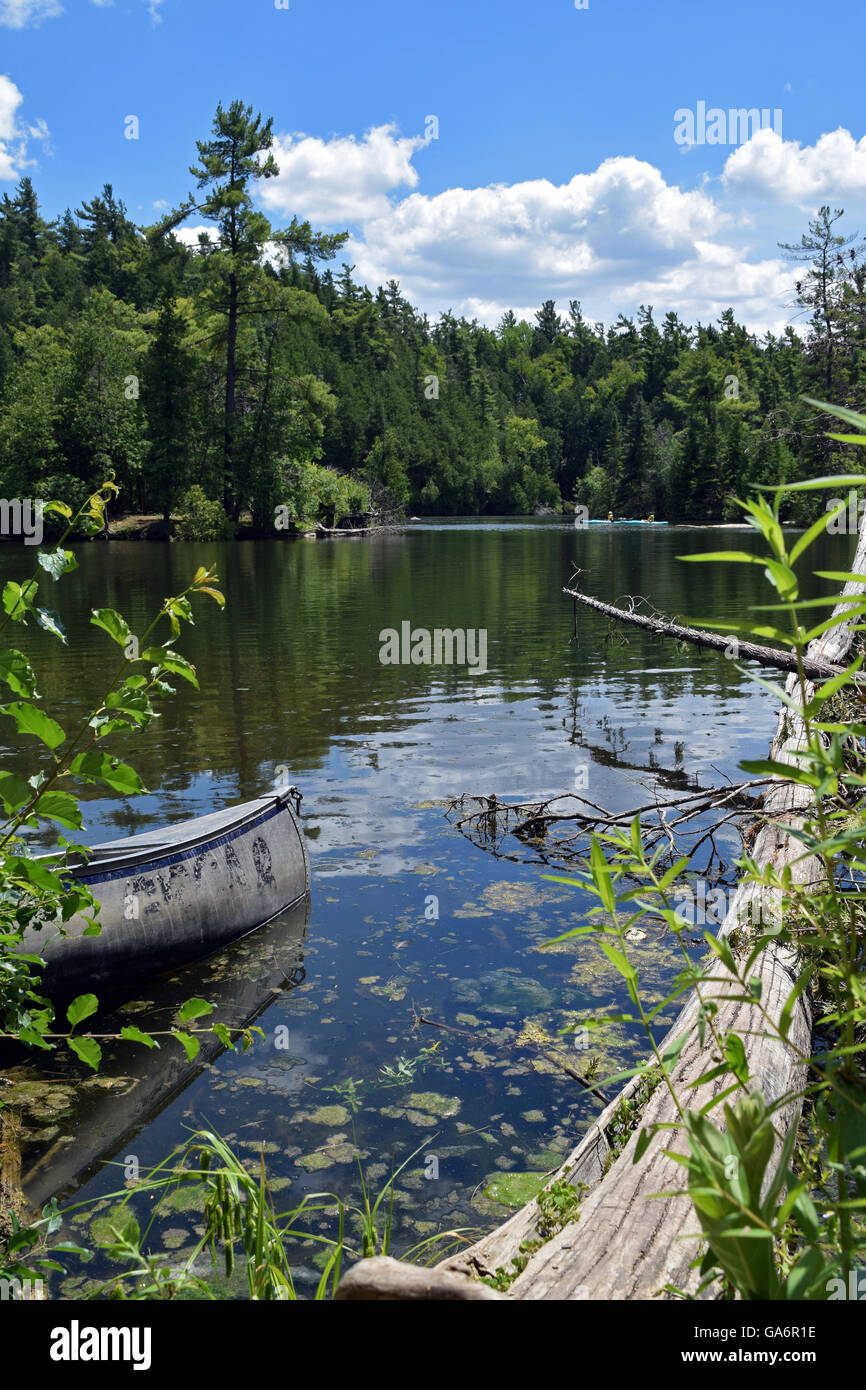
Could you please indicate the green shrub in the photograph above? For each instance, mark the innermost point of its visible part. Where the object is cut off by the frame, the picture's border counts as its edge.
(201, 518)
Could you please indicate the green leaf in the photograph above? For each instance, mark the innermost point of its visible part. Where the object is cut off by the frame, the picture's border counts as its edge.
(14, 792)
(132, 1034)
(81, 1008)
(841, 412)
(223, 1034)
(190, 1044)
(170, 661)
(87, 1049)
(816, 484)
(30, 720)
(100, 767)
(643, 1143)
(601, 875)
(111, 622)
(194, 1008)
(815, 530)
(737, 557)
(18, 599)
(51, 623)
(57, 562)
(735, 1056)
(17, 672)
(59, 507)
(62, 807)
(617, 959)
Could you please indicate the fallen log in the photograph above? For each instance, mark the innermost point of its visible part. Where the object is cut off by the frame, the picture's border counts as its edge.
(635, 1237)
(381, 1279)
(815, 667)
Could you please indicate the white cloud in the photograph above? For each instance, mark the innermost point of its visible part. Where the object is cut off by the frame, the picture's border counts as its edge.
(17, 14)
(613, 238)
(13, 138)
(190, 235)
(341, 180)
(834, 167)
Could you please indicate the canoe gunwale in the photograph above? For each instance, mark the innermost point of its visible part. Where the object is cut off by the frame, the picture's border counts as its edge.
(109, 867)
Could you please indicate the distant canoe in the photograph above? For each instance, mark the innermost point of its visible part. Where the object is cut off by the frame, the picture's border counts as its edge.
(623, 521)
(169, 896)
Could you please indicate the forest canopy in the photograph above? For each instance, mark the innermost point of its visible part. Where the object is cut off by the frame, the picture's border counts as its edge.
(254, 370)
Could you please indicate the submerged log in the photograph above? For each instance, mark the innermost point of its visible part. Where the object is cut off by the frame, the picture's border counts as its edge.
(636, 1234)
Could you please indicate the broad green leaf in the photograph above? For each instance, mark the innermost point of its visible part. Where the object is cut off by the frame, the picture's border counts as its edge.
(17, 672)
(111, 622)
(190, 1044)
(171, 661)
(194, 1008)
(14, 791)
(87, 1049)
(101, 767)
(18, 599)
(57, 562)
(132, 1034)
(30, 720)
(62, 807)
(81, 1008)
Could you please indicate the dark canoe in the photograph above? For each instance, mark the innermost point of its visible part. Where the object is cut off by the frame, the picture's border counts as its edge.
(169, 896)
(134, 1082)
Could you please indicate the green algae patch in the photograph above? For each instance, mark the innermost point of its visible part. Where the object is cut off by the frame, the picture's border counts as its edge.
(514, 1189)
(189, 1197)
(331, 1115)
(432, 1103)
(313, 1162)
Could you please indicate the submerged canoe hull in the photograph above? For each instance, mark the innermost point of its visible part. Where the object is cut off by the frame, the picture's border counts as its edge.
(171, 896)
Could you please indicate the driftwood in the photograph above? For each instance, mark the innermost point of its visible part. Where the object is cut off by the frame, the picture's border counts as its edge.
(816, 666)
(636, 1232)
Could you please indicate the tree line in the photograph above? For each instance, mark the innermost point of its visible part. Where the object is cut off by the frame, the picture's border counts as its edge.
(251, 372)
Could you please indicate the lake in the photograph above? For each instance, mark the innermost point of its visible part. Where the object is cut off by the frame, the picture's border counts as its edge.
(408, 918)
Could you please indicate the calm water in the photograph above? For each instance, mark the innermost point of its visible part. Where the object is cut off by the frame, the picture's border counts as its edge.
(291, 676)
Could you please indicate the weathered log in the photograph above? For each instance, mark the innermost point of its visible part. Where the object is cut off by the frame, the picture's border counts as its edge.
(814, 666)
(381, 1279)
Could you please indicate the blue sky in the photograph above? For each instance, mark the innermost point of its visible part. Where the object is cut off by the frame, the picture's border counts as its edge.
(555, 171)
